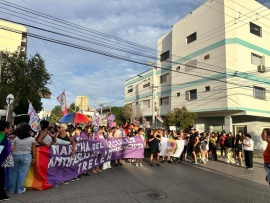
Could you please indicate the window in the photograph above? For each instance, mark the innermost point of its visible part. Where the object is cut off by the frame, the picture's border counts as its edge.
(164, 78)
(164, 101)
(189, 66)
(164, 56)
(207, 88)
(191, 37)
(130, 89)
(191, 94)
(259, 92)
(256, 59)
(178, 94)
(146, 85)
(255, 29)
(146, 104)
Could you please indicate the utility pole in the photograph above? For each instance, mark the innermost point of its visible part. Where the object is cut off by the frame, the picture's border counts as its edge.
(101, 106)
(153, 96)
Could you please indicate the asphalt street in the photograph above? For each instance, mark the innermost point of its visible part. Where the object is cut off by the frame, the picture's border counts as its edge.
(185, 182)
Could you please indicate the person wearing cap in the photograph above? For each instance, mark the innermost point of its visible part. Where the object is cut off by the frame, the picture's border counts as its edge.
(194, 144)
(266, 154)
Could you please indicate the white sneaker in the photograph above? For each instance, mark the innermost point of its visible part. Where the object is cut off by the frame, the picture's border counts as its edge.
(141, 164)
(137, 164)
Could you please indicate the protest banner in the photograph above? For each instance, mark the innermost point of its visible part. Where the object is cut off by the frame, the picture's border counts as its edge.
(171, 147)
(55, 164)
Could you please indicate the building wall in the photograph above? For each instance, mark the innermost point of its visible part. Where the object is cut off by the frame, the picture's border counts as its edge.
(240, 44)
(12, 37)
(223, 52)
(82, 102)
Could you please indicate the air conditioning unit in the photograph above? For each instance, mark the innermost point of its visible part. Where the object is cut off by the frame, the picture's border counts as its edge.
(261, 68)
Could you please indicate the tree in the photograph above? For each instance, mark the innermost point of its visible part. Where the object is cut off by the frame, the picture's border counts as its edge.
(180, 117)
(23, 77)
(72, 108)
(117, 111)
(128, 112)
(56, 114)
(22, 108)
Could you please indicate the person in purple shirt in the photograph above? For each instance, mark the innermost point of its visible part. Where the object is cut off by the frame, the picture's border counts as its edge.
(78, 137)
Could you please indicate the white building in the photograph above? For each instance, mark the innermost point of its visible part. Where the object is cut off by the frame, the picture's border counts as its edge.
(13, 37)
(215, 62)
(82, 102)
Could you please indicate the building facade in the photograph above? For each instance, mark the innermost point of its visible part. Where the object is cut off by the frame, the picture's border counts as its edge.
(13, 37)
(215, 62)
(82, 102)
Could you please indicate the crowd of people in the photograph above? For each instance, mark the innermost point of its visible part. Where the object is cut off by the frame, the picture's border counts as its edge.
(21, 143)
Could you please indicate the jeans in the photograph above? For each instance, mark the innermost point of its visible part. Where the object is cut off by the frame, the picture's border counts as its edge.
(18, 173)
(267, 169)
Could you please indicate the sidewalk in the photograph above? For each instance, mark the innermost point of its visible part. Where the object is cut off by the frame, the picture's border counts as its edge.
(257, 175)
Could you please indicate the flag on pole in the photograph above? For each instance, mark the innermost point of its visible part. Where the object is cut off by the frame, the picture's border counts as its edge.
(159, 118)
(62, 100)
(110, 119)
(34, 119)
(95, 122)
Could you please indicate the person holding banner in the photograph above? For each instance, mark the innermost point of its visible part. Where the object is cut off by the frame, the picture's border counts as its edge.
(118, 133)
(107, 164)
(63, 138)
(96, 169)
(154, 140)
(43, 138)
(23, 155)
(140, 134)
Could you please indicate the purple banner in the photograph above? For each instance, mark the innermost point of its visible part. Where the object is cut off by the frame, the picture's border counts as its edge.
(90, 153)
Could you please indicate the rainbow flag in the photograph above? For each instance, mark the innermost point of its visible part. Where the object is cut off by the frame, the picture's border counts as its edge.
(37, 175)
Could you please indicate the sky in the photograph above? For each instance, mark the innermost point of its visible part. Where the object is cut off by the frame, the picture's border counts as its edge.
(80, 72)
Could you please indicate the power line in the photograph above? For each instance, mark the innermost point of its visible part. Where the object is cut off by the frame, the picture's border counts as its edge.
(131, 52)
(117, 56)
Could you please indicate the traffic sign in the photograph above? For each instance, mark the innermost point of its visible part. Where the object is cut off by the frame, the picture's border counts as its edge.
(10, 99)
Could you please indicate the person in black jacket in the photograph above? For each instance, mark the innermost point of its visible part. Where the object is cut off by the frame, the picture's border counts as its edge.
(229, 148)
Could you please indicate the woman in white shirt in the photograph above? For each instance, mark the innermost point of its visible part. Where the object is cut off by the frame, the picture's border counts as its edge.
(23, 154)
(248, 144)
